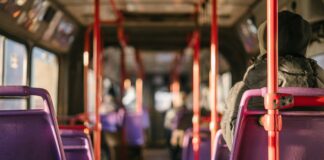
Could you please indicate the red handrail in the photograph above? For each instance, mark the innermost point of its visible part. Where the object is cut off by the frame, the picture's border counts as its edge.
(139, 82)
(175, 84)
(196, 95)
(213, 79)
(271, 103)
(308, 101)
(98, 76)
(86, 59)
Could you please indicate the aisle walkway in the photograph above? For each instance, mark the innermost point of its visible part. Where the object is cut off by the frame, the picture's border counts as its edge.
(156, 154)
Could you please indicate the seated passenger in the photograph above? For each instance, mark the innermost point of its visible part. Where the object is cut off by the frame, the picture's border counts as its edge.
(295, 70)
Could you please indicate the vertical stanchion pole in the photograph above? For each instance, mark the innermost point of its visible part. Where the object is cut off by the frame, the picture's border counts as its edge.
(213, 77)
(273, 118)
(85, 74)
(97, 68)
(196, 96)
(139, 94)
(139, 83)
(175, 84)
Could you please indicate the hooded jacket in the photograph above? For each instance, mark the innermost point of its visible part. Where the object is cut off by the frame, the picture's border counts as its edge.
(294, 69)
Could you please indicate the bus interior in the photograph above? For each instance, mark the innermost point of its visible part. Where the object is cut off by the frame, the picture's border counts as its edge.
(118, 74)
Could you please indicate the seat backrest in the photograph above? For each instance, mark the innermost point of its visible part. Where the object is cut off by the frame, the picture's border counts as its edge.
(221, 151)
(77, 145)
(187, 150)
(134, 129)
(29, 134)
(301, 137)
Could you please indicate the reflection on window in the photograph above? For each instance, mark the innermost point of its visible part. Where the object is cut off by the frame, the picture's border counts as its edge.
(319, 59)
(44, 74)
(14, 70)
(63, 35)
(248, 34)
(12, 7)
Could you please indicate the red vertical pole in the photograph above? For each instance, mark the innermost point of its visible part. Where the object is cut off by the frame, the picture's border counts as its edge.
(175, 84)
(85, 73)
(213, 77)
(139, 83)
(97, 69)
(122, 73)
(139, 94)
(196, 96)
(273, 118)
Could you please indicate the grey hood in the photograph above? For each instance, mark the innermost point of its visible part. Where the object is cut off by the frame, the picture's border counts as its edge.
(294, 34)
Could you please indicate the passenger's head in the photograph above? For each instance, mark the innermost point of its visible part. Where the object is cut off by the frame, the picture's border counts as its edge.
(294, 34)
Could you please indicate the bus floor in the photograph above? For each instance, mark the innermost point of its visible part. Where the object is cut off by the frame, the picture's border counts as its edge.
(156, 154)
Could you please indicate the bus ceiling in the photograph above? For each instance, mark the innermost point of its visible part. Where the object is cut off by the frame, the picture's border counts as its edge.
(147, 27)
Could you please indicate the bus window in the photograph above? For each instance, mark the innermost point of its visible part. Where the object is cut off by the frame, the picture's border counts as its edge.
(320, 59)
(14, 70)
(44, 74)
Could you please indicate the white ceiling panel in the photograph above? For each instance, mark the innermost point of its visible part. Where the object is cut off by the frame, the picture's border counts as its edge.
(160, 8)
(229, 10)
(85, 14)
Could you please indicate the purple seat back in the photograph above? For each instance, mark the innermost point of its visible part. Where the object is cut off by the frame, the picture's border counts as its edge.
(77, 145)
(29, 134)
(187, 150)
(302, 135)
(134, 129)
(221, 150)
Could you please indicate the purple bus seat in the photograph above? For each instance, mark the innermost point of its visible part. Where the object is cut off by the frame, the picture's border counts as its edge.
(221, 151)
(187, 147)
(29, 134)
(301, 137)
(77, 145)
(134, 129)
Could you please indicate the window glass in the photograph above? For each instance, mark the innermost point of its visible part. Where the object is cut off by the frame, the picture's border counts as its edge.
(14, 71)
(44, 74)
(320, 59)
(91, 95)
(163, 100)
(15, 63)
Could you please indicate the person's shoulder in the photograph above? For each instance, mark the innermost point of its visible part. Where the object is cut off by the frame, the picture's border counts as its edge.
(256, 74)
(296, 65)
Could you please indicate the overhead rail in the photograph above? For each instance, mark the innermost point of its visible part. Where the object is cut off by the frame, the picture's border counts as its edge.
(213, 75)
(272, 101)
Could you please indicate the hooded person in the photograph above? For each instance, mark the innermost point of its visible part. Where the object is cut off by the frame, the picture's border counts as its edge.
(294, 69)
